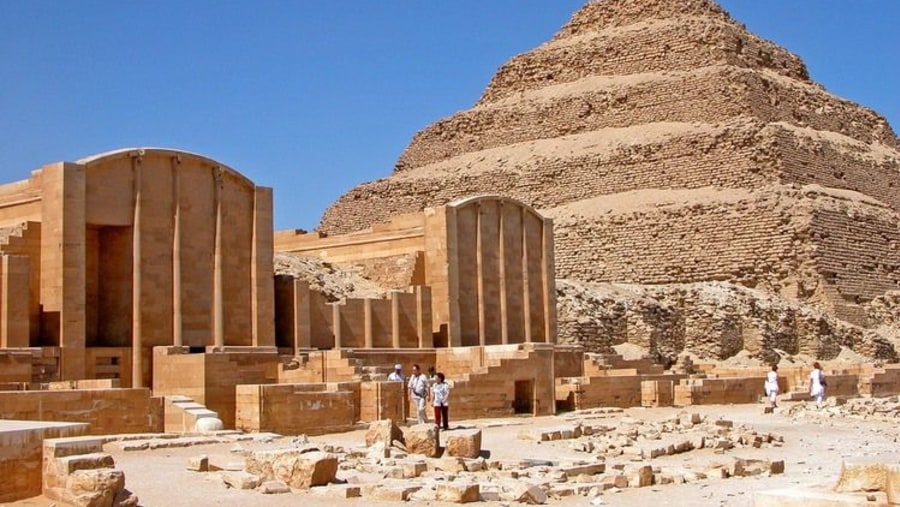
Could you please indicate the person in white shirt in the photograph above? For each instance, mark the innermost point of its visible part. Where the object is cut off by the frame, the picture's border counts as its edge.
(397, 374)
(817, 384)
(772, 384)
(440, 397)
(418, 393)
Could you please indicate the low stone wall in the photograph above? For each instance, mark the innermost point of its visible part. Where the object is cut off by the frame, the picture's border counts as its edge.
(292, 409)
(106, 410)
(20, 454)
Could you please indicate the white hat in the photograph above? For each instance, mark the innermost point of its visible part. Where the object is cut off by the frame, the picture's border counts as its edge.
(398, 367)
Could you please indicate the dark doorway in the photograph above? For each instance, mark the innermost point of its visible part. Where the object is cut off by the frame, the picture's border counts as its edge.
(524, 402)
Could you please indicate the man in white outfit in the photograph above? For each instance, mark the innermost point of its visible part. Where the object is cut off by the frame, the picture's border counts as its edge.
(418, 393)
(397, 374)
(771, 385)
(817, 384)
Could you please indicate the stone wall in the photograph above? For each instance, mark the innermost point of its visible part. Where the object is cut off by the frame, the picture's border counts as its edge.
(106, 410)
(21, 444)
(292, 409)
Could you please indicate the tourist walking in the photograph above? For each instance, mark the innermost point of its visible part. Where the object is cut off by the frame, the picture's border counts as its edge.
(817, 384)
(418, 393)
(772, 385)
(440, 397)
(397, 374)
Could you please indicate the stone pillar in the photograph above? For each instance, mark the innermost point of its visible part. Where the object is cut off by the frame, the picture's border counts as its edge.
(15, 277)
(395, 319)
(177, 337)
(262, 271)
(218, 310)
(479, 264)
(423, 316)
(548, 271)
(504, 323)
(302, 332)
(526, 282)
(137, 339)
(367, 324)
(336, 324)
(454, 329)
(63, 256)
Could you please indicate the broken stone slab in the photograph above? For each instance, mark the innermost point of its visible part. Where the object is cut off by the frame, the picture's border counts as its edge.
(389, 492)
(412, 468)
(892, 484)
(523, 492)
(338, 490)
(198, 463)
(641, 477)
(792, 497)
(862, 475)
(422, 439)
(90, 488)
(274, 488)
(583, 469)
(385, 431)
(240, 479)
(457, 492)
(464, 444)
(299, 470)
(452, 465)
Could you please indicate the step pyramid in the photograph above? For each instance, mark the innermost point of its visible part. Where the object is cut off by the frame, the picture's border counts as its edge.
(670, 145)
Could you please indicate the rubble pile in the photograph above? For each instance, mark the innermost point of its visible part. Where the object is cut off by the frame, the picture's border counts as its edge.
(622, 451)
(866, 409)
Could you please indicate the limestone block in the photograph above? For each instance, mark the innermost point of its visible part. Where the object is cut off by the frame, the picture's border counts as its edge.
(524, 493)
(198, 463)
(274, 488)
(452, 465)
(806, 498)
(70, 464)
(338, 490)
(456, 492)
(776, 467)
(95, 488)
(641, 477)
(422, 439)
(385, 430)
(587, 469)
(297, 469)
(861, 476)
(238, 479)
(465, 444)
(388, 493)
(412, 469)
(892, 484)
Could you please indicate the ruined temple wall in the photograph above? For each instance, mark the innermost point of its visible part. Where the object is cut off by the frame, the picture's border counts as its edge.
(107, 411)
(749, 241)
(708, 95)
(677, 43)
(856, 254)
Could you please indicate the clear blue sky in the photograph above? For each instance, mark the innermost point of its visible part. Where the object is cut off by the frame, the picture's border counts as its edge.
(312, 97)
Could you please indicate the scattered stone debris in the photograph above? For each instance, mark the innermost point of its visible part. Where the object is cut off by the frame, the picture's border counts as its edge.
(866, 409)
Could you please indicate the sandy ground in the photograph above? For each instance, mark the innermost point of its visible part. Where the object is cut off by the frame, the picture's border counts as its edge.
(813, 450)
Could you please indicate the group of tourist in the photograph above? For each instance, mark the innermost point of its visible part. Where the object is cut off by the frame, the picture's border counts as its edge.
(424, 388)
(817, 384)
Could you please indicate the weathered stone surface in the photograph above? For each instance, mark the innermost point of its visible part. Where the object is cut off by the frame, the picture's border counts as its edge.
(198, 463)
(240, 479)
(806, 498)
(523, 492)
(861, 476)
(385, 431)
(274, 488)
(892, 484)
(464, 443)
(95, 488)
(299, 470)
(338, 490)
(208, 425)
(422, 439)
(456, 492)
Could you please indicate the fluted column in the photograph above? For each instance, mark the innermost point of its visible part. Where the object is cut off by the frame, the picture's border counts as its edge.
(137, 358)
(177, 337)
(218, 310)
(479, 276)
(526, 289)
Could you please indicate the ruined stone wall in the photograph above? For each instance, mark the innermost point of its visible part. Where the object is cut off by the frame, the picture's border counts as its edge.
(746, 240)
(675, 44)
(21, 456)
(293, 409)
(106, 410)
(709, 95)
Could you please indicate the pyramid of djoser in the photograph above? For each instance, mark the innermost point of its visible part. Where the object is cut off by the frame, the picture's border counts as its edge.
(674, 148)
